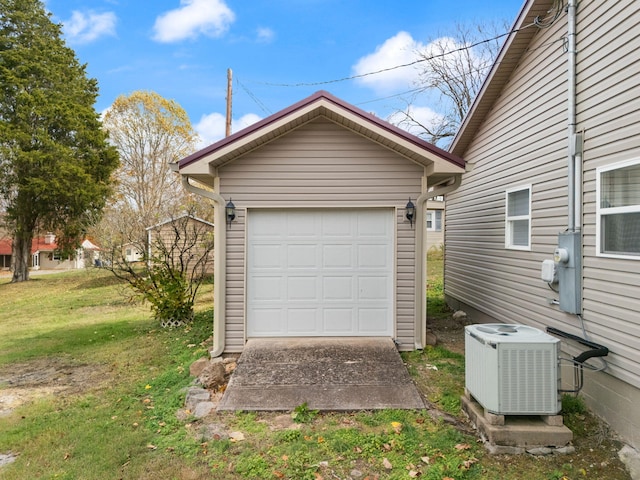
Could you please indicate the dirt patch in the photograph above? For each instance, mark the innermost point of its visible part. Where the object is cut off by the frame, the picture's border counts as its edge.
(449, 332)
(24, 382)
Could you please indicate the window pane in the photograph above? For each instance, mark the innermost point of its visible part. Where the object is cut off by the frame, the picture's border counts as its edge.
(518, 203)
(621, 187)
(429, 220)
(621, 233)
(438, 220)
(520, 233)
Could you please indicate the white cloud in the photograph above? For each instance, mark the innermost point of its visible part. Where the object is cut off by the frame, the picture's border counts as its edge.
(85, 27)
(211, 127)
(265, 35)
(420, 115)
(194, 17)
(397, 50)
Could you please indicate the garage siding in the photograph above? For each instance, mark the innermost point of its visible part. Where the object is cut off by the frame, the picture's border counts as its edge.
(320, 165)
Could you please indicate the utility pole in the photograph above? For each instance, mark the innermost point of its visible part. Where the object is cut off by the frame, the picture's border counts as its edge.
(228, 118)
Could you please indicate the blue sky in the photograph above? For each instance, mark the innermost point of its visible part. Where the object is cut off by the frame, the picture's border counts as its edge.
(182, 49)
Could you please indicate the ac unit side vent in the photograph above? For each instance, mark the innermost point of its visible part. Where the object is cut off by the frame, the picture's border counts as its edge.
(514, 371)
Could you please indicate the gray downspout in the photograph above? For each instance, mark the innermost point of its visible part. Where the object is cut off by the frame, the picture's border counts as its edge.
(219, 266)
(571, 110)
(568, 254)
(421, 264)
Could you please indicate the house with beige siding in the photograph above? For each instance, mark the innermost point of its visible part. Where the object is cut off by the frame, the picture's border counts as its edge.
(320, 225)
(186, 241)
(434, 224)
(552, 146)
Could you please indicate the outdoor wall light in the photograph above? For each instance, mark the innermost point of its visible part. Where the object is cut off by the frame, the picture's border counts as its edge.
(231, 212)
(410, 211)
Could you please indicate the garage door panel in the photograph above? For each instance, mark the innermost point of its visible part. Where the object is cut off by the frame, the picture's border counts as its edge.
(267, 321)
(301, 321)
(373, 256)
(301, 225)
(266, 256)
(373, 320)
(268, 288)
(373, 288)
(339, 321)
(337, 256)
(302, 255)
(338, 288)
(302, 288)
(327, 272)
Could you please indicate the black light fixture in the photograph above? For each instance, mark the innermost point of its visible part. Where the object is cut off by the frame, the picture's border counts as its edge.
(410, 211)
(231, 212)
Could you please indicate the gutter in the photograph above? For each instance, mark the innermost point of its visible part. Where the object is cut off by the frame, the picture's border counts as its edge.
(219, 267)
(574, 172)
(421, 265)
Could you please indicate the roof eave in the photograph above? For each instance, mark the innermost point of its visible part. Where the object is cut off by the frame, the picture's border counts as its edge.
(514, 46)
(319, 104)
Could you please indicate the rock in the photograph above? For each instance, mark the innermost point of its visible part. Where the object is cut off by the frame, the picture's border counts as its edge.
(569, 449)
(213, 431)
(356, 473)
(7, 458)
(431, 339)
(236, 436)
(182, 415)
(213, 375)
(631, 458)
(460, 317)
(539, 451)
(195, 395)
(198, 366)
(229, 367)
(284, 422)
(203, 409)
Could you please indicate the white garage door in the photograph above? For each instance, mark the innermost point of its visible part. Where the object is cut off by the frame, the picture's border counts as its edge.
(320, 272)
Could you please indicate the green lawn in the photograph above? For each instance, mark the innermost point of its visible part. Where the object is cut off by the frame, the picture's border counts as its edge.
(104, 405)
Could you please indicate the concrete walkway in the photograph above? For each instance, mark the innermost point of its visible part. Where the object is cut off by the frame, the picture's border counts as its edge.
(327, 373)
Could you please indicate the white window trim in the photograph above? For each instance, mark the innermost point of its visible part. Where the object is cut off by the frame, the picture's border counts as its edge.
(433, 214)
(599, 209)
(507, 231)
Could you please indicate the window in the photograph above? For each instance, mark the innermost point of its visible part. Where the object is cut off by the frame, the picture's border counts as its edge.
(618, 210)
(518, 218)
(434, 220)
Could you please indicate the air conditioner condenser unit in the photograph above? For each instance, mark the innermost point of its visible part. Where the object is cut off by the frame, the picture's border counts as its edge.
(513, 369)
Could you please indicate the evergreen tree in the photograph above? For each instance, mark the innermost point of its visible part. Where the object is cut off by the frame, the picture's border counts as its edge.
(55, 162)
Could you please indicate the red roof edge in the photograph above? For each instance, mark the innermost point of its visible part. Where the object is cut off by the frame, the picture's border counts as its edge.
(317, 96)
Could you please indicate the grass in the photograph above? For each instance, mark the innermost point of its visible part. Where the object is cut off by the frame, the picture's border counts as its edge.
(118, 421)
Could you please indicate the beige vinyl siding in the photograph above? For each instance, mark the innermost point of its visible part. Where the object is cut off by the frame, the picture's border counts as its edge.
(320, 165)
(524, 140)
(609, 54)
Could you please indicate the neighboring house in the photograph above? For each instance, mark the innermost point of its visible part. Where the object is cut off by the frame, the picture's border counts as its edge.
(132, 252)
(435, 223)
(531, 185)
(317, 241)
(44, 254)
(185, 234)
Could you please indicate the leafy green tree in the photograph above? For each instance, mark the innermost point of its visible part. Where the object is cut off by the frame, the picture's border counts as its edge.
(55, 161)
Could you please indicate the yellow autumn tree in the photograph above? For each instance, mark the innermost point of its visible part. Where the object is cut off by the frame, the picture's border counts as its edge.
(150, 132)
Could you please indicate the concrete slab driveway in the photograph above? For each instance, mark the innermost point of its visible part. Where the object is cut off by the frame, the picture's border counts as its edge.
(327, 373)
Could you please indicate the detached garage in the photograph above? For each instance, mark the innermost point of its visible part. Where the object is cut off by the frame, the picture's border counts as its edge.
(324, 206)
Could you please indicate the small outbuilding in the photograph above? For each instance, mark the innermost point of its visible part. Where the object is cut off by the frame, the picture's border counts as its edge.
(320, 215)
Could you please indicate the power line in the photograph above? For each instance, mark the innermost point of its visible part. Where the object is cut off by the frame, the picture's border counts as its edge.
(555, 11)
(388, 69)
(257, 101)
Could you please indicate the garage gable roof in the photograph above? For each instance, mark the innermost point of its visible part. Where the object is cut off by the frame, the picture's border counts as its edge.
(326, 105)
(521, 33)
